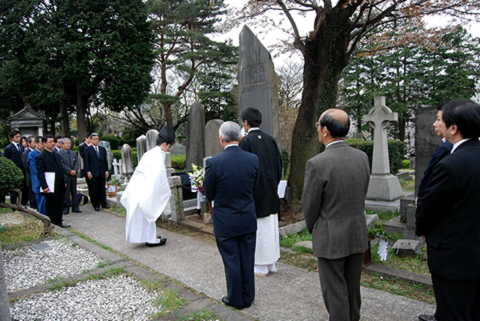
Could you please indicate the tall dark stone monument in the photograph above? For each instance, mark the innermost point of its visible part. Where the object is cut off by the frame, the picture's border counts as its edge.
(426, 141)
(196, 136)
(258, 82)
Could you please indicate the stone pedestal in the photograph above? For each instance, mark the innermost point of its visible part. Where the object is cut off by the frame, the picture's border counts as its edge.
(384, 188)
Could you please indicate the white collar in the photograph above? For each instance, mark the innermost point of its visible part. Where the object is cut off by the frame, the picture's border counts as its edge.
(455, 146)
(253, 128)
(334, 142)
(230, 145)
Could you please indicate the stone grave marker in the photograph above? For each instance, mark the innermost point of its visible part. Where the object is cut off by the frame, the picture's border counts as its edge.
(196, 136)
(126, 165)
(151, 138)
(141, 146)
(258, 83)
(106, 145)
(383, 185)
(404, 247)
(212, 145)
(426, 141)
(178, 149)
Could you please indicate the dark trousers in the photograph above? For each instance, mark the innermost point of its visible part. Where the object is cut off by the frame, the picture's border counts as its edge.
(238, 255)
(71, 199)
(54, 206)
(98, 194)
(456, 300)
(340, 280)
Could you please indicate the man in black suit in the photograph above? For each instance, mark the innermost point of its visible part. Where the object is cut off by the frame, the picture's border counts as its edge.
(96, 171)
(448, 216)
(81, 151)
(14, 151)
(230, 182)
(267, 202)
(51, 162)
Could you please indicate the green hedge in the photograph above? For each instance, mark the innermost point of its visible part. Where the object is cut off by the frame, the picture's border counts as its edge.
(11, 177)
(116, 142)
(396, 149)
(178, 161)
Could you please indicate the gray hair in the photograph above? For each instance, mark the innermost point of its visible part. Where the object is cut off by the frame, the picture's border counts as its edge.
(66, 139)
(229, 131)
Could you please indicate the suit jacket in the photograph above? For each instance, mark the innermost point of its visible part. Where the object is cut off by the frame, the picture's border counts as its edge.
(335, 187)
(25, 154)
(70, 161)
(230, 181)
(96, 164)
(448, 214)
(15, 155)
(442, 150)
(51, 162)
(269, 172)
(32, 166)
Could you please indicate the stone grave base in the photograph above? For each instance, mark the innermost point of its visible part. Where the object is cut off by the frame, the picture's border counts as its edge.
(383, 206)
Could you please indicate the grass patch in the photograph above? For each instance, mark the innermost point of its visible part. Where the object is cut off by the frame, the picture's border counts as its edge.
(168, 301)
(57, 284)
(202, 315)
(397, 286)
(5, 210)
(15, 235)
(416, 264)
(118, 210)
(408, 185)
(89, 239)
(290, 240)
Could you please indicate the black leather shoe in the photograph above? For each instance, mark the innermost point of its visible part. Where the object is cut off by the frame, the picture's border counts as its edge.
(426, 317)
(226, 301)
(162, 242)
(106, 207)
(97, 209)
(76, 211)
(65, 225)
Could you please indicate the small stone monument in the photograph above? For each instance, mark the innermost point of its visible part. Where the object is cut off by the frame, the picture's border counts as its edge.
(258, 82)
(126, 165)
(383, 185)
(212, 144)
(176, 200)
(116, 167)
(106, 145)
(196, 136)
(151, 137)
(141, 146)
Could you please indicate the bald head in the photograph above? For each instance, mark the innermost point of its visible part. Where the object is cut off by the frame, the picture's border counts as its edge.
(336, 121)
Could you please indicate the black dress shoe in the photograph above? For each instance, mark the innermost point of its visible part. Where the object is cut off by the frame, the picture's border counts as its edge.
(162, 242)
(64, 225)
(426, 317)
(76, 211)
(226, 301)
(106, 206)
(97, 209)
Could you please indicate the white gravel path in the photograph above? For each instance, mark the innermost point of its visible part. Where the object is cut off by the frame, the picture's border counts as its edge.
(36, 264)
(119, 298)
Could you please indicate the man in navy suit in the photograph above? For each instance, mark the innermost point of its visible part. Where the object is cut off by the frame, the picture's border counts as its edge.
(14, 152)
(447, 215)
(96, 171)
(230, 182)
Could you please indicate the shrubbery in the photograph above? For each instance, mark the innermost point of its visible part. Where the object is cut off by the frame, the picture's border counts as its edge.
(396, 149)
(11, 177)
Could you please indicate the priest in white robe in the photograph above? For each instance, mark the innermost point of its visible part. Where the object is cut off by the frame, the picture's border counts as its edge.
(147, 195)
(267, 202)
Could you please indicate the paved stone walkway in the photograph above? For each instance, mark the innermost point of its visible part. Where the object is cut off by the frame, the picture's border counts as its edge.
(292, 294)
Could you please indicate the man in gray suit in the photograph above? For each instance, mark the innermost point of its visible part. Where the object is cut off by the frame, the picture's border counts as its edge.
(336, 183)
(72, 166)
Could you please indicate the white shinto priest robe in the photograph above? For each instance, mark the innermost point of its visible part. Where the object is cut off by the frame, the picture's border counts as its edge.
(267, 249)
(146, 197)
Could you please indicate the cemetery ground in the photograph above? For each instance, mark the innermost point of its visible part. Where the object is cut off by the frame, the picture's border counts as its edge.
(68, 276)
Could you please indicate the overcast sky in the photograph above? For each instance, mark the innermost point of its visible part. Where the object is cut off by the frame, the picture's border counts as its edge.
(271, 37)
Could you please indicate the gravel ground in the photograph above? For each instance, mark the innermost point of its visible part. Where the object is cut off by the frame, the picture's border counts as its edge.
(36, 264)
(114, 299)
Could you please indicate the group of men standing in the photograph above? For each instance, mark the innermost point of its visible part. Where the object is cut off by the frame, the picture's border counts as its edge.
(50, 168)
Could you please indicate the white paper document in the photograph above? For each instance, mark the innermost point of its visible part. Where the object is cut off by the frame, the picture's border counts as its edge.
(50, 178)
(282, 186)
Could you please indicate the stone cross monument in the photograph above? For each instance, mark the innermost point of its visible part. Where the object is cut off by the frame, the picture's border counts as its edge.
(383, 185)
